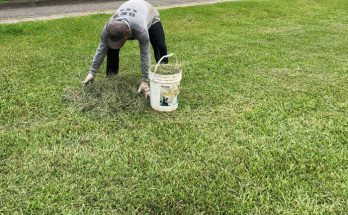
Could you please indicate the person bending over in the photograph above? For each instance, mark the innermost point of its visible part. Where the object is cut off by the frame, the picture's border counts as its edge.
(134, 20)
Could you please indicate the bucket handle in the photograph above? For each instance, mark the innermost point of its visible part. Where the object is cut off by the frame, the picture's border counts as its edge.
(166, 56)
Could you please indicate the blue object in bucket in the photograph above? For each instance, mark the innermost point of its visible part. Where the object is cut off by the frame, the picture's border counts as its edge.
(164, 101)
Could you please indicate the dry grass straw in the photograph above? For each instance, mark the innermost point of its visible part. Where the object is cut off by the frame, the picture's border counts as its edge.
(167, 69)
(107, 96)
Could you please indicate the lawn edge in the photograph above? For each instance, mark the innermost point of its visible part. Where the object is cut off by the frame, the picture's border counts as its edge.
(78, 14)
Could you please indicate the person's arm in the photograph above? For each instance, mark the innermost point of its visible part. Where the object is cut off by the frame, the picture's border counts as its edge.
(144, 43)
(100, 53)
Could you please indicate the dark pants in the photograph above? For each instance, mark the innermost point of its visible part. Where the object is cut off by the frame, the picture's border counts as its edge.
(157, 39)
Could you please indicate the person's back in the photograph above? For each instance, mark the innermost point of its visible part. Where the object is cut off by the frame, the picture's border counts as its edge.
(139, 14)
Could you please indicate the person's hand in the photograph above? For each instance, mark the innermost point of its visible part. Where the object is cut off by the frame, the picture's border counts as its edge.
(144, 88)
(89, 79)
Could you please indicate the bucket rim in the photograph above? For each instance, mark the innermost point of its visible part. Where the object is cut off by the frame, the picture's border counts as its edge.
(153, 75)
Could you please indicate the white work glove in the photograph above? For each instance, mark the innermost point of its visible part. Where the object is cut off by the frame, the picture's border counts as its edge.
(89, 79)
(144, 88)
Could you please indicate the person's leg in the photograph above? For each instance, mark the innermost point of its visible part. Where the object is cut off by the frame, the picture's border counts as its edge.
(112, 62)
(157, 39)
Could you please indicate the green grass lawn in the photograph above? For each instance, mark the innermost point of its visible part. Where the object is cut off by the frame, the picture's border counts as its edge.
(261, 128)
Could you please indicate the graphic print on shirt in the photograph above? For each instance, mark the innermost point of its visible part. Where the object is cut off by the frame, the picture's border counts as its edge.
(128, 12)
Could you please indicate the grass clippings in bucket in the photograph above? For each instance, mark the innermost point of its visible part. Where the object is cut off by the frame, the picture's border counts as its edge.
(167, 69)
(107, 97)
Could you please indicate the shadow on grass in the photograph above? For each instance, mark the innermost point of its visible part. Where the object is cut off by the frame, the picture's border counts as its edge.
(108, 97)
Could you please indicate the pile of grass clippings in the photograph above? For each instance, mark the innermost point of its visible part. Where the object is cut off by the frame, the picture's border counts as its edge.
(108, 96)
(167, 69)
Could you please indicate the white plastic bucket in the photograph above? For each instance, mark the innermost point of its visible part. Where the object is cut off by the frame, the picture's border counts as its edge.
(164, 89)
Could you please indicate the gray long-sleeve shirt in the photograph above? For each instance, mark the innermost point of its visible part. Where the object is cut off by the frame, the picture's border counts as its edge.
(140, 16)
